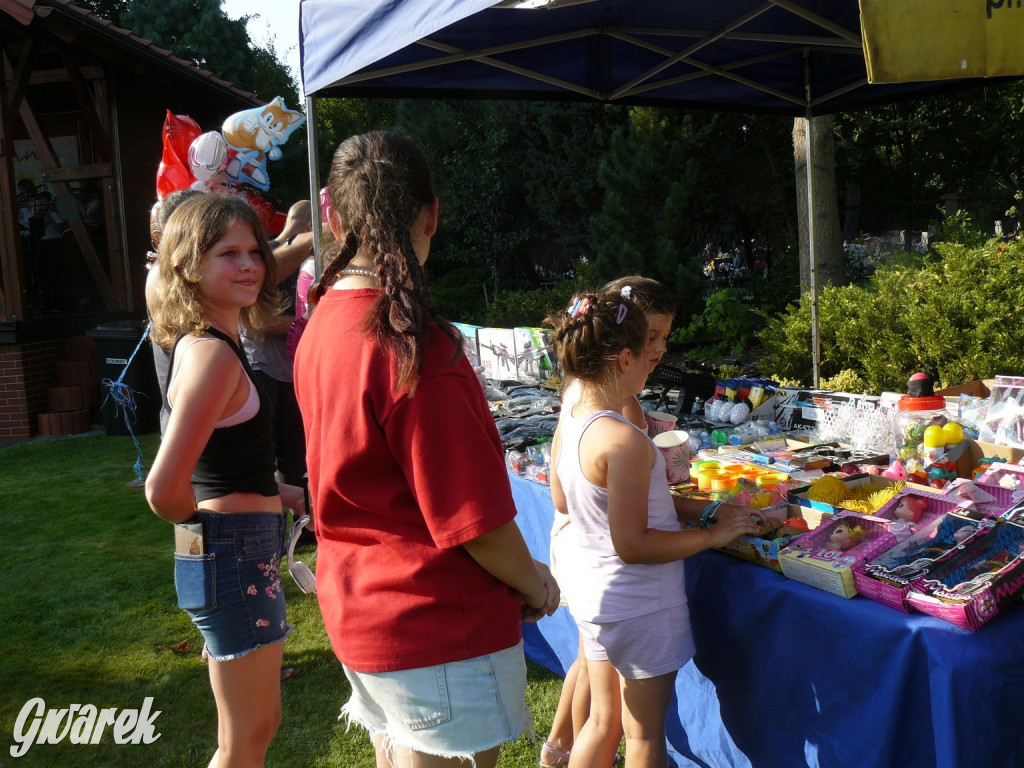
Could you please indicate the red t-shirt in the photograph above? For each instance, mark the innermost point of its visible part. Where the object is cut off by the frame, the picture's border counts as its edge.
(398, 484)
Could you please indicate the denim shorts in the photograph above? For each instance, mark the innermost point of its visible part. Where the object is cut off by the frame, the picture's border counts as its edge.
(232, 592)
(450, 710)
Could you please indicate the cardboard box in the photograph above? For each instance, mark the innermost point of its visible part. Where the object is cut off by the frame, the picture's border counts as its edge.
(972, 583)
(810, 560)
(973, 388)
(759, 550)
(976, 451)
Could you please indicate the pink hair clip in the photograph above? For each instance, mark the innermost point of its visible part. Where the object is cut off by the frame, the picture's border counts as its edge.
(626, 293)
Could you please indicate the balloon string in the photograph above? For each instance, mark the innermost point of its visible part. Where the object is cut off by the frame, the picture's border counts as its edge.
(124, 401)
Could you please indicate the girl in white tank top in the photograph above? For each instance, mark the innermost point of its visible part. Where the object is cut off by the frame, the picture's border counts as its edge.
(628, 598)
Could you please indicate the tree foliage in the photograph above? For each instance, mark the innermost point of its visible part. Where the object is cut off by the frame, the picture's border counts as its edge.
(199, 31)
(949, 314)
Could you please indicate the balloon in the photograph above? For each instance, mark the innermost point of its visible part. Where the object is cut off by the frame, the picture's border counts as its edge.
(253, 135)
(173, 173)
(207, 157)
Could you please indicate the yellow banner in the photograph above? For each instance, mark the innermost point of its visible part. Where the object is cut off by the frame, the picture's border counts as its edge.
(912, 40)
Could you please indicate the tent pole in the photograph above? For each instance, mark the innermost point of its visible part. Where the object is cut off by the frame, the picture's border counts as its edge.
(811, 250)
(313, 149)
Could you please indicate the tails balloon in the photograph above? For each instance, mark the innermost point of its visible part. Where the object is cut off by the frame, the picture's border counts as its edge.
(253, 136)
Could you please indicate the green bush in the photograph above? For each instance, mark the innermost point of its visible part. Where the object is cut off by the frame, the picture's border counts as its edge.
(952, 314)
(459, 295)
(844, 381)
(725, 327)
(528, 308)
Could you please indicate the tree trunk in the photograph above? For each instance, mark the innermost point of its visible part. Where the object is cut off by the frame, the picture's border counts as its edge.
(828, 237)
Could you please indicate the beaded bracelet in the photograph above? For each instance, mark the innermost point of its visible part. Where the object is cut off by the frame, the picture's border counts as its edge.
(709, 516)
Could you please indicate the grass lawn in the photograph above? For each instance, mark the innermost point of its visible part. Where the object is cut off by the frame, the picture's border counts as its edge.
(89, 612)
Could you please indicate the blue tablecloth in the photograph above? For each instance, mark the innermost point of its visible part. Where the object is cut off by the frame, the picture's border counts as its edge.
(806, 678)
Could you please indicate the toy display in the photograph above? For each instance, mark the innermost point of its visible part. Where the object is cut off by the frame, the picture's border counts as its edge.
(887, 577)
(971, 583)
(825, 557)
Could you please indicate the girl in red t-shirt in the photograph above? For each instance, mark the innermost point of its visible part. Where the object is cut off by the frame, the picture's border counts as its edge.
(422, 575)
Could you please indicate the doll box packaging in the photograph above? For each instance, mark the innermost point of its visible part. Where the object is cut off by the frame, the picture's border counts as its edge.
(887, 578)
(762, 551)
(990, 499)
(972, 583)
(825, 557)
(818, 512)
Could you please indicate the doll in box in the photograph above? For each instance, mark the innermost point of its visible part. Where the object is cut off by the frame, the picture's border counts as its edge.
(974, 569)
(844, 537)
(951, 532)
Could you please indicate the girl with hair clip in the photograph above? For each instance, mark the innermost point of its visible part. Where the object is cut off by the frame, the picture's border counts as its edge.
(628, 595)
(215, 467)
(423, 577)
(659, 306)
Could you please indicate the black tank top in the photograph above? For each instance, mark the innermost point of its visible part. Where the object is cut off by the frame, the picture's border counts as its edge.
(239, 458)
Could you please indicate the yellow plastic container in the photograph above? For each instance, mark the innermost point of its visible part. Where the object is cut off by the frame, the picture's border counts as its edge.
(705, 477)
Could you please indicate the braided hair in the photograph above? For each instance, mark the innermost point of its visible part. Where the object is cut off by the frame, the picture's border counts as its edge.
(593, 330)
(378, 185)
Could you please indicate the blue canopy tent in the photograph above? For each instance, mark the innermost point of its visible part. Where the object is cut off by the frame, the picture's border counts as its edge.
(792, 57)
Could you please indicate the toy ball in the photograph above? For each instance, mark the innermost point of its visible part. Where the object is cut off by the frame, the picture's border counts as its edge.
(953, 433)
(934, 436)
(739, 412)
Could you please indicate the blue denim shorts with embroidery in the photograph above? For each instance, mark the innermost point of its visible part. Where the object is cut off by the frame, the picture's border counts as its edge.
(451, 710)
(232, 592)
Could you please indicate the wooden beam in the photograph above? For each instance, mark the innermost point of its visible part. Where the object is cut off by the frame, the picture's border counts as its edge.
(52, 168)
(49, 76)
(85, 101)
(77, 172)
(20, 74)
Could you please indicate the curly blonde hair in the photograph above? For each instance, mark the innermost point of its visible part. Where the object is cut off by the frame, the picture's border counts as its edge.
(194, 227)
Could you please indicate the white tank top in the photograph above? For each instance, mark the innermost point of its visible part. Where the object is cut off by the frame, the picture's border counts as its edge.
(606, 588)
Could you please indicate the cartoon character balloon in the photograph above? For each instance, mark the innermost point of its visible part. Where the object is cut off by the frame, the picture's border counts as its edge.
(254, 135)
(207, 158)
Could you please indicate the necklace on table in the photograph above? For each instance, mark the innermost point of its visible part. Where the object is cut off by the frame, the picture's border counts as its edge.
(358, 271)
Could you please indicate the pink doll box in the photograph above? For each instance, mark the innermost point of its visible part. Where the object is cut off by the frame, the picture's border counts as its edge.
(969, 585)
(914, 508)
(991, 500)
(887, 578)
(1007, 476)
(810, 559)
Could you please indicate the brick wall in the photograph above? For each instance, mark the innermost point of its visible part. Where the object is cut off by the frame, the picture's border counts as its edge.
(26, 372)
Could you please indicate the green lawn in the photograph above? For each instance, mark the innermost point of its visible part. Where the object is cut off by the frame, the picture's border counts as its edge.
(89, 609)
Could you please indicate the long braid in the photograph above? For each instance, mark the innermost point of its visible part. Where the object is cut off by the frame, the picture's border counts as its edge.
(379, 184)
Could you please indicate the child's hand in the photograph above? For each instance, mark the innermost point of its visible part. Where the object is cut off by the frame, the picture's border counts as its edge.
(732, 521)
(536, 607)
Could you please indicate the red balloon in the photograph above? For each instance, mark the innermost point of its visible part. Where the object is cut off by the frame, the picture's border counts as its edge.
(174, 172)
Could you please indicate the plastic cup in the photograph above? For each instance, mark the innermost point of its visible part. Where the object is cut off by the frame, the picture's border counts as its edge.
(659, 421)
(675, 447)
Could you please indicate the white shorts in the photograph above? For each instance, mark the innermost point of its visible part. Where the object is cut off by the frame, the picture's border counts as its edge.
(641, 647)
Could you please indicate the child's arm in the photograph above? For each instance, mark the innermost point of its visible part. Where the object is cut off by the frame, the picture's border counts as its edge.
(688, 511)
(557, 494)
(503, 554)
(626, 459)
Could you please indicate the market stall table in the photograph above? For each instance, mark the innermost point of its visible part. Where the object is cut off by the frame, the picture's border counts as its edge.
(806, 678)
